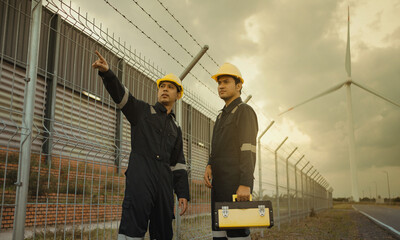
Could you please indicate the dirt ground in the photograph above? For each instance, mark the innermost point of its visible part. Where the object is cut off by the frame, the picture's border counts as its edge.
(341, 222)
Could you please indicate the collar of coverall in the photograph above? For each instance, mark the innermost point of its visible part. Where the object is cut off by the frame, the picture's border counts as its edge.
(162, 109)
(233, 104)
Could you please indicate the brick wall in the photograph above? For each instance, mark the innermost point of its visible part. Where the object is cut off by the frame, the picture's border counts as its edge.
(51, 214)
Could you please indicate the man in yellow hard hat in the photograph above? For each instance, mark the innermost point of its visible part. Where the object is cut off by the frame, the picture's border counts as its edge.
(230, 168)
(156, 164)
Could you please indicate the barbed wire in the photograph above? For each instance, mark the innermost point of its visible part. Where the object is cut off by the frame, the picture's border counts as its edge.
(81, 22)
(76, 19)
(190, 35)
(169, 34)
(258, 109)
(166, 31)
(145, 34)
(157, 44)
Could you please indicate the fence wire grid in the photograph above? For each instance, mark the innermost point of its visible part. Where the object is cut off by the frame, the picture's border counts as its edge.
(80, 142)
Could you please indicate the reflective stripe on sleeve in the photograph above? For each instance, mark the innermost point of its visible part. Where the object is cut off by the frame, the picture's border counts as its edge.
(178, 166)
(124, 237)
(234, 110)
(219, 234)
(152, 110)
(124, 99)
(248, 147)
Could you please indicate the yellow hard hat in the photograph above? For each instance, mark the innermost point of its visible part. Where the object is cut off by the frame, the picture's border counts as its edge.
(228, 69)
(174, 79)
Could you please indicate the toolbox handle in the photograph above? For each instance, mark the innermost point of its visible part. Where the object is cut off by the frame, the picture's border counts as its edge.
(234, 197)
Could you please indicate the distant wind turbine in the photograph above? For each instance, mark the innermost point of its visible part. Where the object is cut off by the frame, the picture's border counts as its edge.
(347, 83)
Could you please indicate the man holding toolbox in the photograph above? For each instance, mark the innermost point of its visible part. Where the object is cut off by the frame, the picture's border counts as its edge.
(233, 155)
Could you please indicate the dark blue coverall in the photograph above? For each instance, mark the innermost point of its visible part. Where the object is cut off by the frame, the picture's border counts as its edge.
(233, 158)
(156, 165)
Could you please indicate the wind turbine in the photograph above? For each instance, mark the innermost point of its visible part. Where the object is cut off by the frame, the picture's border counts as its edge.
(347, 83)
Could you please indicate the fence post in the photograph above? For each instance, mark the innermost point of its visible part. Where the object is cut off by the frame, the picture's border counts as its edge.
(295, 182)
(302, 188)
(248, 98)
(322, 192)
(277, 182)
(316, 195)
(27, 122)
(326, 195)
(52, 65)
(288, 185)
(190, 139)
(313, 188)
(260, 191)
(326, 192)
(308, 189)
(316, 192)
(179, 116)
(259, 160)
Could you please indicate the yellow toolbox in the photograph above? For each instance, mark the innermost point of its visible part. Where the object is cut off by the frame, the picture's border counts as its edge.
(230, 215)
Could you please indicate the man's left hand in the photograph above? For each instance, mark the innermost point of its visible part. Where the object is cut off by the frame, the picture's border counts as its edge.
(243, 193)
(183, 204)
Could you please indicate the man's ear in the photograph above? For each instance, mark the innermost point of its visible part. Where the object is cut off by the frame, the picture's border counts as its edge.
(239, 86)
(179, 95)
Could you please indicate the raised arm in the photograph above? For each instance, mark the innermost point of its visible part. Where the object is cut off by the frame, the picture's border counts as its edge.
(130, 106)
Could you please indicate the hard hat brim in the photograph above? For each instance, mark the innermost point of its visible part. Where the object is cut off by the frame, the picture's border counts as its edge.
(178, 87)
(215, 77)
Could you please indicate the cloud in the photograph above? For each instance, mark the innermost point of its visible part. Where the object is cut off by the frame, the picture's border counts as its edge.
(297, 50)
(252, 29)
(304, 59)
(393, 38)
(290, 51)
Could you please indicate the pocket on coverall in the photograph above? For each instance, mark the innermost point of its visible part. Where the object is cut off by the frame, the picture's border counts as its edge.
(126, 215)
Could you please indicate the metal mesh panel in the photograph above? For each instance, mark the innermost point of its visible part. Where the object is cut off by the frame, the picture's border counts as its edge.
(12, 99)
(195, 126)
(80, 148)
(83, 127)
(15, 22)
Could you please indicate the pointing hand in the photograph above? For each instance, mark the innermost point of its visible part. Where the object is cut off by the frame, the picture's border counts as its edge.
(100, 64)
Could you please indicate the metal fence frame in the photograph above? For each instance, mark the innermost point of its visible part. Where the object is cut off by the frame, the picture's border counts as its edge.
(72, 144)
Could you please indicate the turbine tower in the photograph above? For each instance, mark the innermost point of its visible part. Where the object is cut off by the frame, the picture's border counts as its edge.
(350, 127)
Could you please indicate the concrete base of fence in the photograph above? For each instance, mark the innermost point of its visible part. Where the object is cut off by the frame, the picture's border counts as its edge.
(30, 231)
(63, 214)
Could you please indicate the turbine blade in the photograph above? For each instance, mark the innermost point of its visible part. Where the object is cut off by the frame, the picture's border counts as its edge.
(332, 89)
(376, 94)
(348, 57)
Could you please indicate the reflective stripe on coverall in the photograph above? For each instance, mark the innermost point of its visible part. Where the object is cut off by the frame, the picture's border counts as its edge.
(233, 156)
(156, 165)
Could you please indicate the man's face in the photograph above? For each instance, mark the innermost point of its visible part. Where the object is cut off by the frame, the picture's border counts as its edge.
(167, 93)
(227, 88)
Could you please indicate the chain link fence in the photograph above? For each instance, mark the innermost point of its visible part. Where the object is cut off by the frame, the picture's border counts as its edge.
(79, 142)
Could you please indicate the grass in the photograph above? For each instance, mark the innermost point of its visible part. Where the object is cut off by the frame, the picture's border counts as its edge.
(340, 222)
(71, 179)
(335, 223)
(85, 234)
(194, 227)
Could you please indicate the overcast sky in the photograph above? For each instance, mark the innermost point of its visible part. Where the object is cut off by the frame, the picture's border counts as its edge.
(287, 52)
